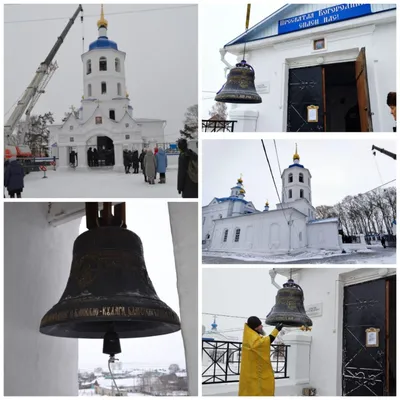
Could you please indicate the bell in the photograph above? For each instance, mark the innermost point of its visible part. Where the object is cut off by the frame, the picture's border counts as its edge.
(289, 307)
(239, 87)
(109, 291)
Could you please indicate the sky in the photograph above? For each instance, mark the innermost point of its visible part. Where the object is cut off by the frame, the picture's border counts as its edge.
(150, 221)
(338, 168)
(161, 56)
(214, 35)
(244, 285)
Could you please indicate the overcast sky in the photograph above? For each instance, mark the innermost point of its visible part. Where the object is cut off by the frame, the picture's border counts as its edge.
(149, 220)
(243, 284)
(161, 56)
(216, 34)
(338, 168)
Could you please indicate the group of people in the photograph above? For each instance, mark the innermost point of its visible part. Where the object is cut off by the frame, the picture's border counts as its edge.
(103, 156)
(153, 164)
(131, 160)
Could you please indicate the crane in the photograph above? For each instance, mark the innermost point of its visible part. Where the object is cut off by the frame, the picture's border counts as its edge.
(38, 83)
(388, 153)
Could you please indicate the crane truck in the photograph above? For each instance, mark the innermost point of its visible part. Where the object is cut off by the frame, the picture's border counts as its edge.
(29, 99)
(388, 153)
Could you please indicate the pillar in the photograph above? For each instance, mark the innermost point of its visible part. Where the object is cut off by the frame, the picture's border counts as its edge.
(63, 158)
(184, 222)
(118, 156)
(246, 120)
(82, 157)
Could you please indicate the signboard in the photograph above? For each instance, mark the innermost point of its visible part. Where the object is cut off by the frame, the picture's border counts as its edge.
(337, 13)
(314, 310)
(372, 337)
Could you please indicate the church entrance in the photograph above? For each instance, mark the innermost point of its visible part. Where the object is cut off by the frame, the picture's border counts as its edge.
(369, 339)
(100, 154)
(330, 98)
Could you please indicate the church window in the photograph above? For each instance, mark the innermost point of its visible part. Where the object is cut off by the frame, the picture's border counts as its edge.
(127, 137)
(71, 139)
(204, 220)
(89, 90)
(290, 178)
(208, 236)
(118, 89)
(103, 88)
(103, 64)
(301, 178)
(220, 216)
(126, 125)
(301, 193)
(308, 181)
(237, 234)
(225, 235)
(112, 114)
(290, 193)
(117, 65)
(88, 67)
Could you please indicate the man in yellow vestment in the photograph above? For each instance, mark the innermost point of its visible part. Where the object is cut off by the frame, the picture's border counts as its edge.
(256, 374)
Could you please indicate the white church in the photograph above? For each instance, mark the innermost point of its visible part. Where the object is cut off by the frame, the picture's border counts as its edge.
(105, 121)
(233, 224)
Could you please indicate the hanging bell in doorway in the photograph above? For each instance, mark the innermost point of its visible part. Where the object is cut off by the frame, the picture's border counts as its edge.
(109, 289)
(289, 307)
(239, 87)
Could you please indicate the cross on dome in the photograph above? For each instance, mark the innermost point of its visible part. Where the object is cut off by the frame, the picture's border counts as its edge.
(102, 22)
(296, 155)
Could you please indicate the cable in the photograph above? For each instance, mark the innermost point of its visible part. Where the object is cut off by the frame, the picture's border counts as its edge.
(96, 16)
(277, 157)
(110, 360)
(377, 168)
(224, 315)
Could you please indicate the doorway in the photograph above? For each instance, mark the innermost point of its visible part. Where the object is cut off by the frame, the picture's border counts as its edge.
(339, 93)
(369, 369)
(105, 148)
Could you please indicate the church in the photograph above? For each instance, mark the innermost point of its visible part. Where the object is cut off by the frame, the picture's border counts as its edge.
(233, 224)
(319, 68)
(105, 119)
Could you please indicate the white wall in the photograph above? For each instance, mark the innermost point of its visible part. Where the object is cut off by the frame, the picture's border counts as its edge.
(323, 236)
(209, 214)
(271, 65)
(37, 264)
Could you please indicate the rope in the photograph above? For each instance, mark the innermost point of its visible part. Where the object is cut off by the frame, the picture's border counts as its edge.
(377, 168)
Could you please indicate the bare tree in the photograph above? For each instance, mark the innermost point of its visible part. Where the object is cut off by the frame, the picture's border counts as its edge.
(219, 111)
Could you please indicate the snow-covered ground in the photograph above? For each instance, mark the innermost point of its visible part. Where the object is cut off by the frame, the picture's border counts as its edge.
(91, 392)
(97, 184)
(375, 255)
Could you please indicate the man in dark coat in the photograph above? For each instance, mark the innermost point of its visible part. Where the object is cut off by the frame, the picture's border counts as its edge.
(14, 178)
(90, 157)
(126, 161)
(95, 158)
(135, 162)
(141, 161)
(187, 171)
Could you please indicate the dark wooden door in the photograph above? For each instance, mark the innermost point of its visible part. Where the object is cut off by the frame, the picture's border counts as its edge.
(363, 368)
(305, 89)
(364, 104)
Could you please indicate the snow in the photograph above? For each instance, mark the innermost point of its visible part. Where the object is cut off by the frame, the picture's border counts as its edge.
(381, 260)
(97, 184)
(323, 221)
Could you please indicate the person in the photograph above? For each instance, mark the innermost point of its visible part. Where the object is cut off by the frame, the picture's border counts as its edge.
(383, 241)
(90, 157)
(14, 178)
(95, 158)
(141, 158)
(187, 171)
(391, 102)
(155, 154)
(135, 162)
(162, 164)
(256, 373)
(150, 166)
(126, 161)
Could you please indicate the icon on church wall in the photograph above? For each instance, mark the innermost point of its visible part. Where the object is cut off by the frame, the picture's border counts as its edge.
(99, 120)
(319, 44)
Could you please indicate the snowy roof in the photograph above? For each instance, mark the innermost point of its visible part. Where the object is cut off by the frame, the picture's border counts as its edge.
(323, 221)
(263, 213)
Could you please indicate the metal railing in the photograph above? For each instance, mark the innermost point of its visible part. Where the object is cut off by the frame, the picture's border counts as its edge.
(217, 125)
(221, 361)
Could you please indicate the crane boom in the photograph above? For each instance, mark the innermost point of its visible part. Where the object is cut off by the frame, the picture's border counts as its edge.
(388, 153)
(32, 88)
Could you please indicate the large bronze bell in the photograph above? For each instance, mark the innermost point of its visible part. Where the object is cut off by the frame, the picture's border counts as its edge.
(109, 290)
(239, 87)
(289, 307)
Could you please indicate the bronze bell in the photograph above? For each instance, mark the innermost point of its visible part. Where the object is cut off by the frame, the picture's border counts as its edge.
(289, 307)
(239, 87)
(108, 289)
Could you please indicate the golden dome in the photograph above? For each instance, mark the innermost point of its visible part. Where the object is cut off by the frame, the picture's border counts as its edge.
(242, 191)
(296, 155)
(240, 180)
(267, 204)
(102, 21)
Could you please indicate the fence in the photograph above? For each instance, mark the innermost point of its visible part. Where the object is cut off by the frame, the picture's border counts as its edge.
(217, 125)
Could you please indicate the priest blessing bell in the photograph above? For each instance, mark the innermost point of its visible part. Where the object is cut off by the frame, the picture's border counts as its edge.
(109, 294)
(239, 87)
(289, 307)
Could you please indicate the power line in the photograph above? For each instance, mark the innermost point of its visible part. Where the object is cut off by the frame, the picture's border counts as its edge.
(384, 184)
(277, 157)
(96, 16)
(224, 315)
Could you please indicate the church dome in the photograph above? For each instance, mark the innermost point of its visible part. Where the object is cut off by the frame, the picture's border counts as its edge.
(296, 155)
(103, 43)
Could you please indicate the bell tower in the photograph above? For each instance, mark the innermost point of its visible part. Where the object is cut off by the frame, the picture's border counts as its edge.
(104, 76)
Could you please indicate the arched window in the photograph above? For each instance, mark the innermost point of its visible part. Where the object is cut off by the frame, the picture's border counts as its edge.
(301, 178)
(103, 88)
(89, 90)
(118, 89)
(237, 234)
(301, 193)
(290, 178)
(117, 65)
(225, 235)
(103, 64)
(88, 67)
(290, 193)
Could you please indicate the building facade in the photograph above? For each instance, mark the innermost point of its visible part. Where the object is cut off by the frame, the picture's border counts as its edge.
(105, 119)
(320, 68)
(233, 224)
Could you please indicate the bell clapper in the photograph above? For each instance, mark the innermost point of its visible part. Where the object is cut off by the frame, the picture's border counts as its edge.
(111, 346)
